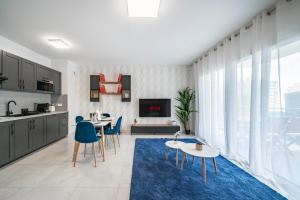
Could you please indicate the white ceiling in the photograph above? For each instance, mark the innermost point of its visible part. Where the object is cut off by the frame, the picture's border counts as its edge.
(99, 31)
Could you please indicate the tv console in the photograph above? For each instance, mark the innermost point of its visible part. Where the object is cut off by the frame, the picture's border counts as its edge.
(154, 129)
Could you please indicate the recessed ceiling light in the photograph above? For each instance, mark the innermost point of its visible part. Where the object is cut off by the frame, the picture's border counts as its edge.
(143, 8)
(58, 43)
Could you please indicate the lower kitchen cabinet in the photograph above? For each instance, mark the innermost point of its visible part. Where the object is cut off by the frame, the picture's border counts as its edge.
(63, 129)
(52, 128)
(7, 153)
(21, 137)
(37, 133)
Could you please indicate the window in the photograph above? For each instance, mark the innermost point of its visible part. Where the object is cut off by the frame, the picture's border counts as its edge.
(283, 140)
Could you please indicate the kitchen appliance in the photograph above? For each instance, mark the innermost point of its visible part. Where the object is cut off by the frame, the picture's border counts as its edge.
(3, 78)
(52, 108)
(42, 107)
(45, 85)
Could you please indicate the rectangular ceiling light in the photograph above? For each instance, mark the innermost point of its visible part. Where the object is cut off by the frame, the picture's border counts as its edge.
(143, 8)
(58, 43)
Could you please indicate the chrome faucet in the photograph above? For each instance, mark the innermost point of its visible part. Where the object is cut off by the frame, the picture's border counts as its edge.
(9, 112)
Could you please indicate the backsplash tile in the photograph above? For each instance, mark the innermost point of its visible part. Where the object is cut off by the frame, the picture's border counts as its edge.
(23, 100)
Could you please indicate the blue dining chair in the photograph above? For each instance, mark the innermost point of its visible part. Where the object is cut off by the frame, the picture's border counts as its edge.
(106, 114)
(85, 133)
(78, 119)
(109, 124)
(114, 131)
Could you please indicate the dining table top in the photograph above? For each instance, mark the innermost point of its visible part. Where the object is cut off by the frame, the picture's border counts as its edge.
(99, 123)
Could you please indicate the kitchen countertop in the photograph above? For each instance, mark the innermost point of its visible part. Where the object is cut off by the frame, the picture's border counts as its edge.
(8, 119)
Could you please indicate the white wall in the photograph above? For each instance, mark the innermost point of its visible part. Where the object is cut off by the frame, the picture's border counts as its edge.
(69, 73)
(19, 50)
(146, 82)
(23, 99)
(72, 91)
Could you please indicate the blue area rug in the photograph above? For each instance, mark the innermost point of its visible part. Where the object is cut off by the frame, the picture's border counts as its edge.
(154, 177)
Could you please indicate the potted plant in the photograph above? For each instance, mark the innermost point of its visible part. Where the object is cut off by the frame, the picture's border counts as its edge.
(185, 107)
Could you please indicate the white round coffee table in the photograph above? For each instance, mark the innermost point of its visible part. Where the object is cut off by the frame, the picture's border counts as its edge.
(206, 152)
(172, 144)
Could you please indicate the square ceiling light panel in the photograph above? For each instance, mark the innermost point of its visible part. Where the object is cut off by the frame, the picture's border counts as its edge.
(143, 8)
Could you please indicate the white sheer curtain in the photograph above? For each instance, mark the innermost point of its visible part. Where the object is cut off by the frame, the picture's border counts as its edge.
(249, 97)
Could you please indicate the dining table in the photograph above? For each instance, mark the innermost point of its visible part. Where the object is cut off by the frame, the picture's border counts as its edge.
(100, 124)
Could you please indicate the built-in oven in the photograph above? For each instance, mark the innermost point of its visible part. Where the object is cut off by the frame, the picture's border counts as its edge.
(45, 85)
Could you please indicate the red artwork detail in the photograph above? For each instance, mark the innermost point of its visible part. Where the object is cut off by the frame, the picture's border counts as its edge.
(102, 89)
(119, 78)
(154, 108)
(119, 89)
(102, 77)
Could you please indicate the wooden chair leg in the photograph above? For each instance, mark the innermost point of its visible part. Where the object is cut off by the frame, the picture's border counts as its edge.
(99, 145)
(103, 150)
(118, 140)
(106, 141)
(113, 138)
(75, 153)
(84, 152)
(94, 153)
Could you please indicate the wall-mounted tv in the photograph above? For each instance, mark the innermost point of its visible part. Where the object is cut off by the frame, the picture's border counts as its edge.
(155, 107)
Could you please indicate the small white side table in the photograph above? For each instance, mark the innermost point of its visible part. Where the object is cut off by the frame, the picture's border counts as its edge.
(206, 152)
(173, 145)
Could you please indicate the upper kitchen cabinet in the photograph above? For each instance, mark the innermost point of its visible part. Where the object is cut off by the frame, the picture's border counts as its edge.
(43, 73)
(1, 55)
(48, 80)
(11, 68)
(28, 76)
(56, 81)
(19, 74)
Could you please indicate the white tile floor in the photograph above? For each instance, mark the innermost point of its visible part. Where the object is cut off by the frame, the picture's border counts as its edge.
(49, 174)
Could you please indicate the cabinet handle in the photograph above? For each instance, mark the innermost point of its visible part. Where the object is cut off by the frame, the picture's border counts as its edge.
(20, 84)
(23, 84)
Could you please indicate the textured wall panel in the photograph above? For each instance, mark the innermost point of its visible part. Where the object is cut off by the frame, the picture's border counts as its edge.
(146, 82)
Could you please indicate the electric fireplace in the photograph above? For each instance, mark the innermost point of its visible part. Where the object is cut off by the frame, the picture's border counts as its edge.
(155, 107)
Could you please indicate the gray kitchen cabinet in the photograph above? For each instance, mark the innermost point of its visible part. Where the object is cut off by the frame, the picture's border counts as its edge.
(6, 142)
(52, 128)
(1, 55)
(37, 134)
(43, 73)
(56, 77)
(28, 76)
(11, 66)
(21, 137)
(63, 129)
